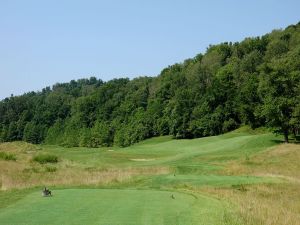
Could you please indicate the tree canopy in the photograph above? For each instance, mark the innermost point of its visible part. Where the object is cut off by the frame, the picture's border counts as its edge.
(254, 82)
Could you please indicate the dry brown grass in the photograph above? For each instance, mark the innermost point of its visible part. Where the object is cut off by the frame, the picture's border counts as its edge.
(25, 173)
(18, 176)
(267, 204)
(18, 147)
(276, 204)
(281, 161)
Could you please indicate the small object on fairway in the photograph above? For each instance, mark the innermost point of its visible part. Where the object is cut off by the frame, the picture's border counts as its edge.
(172, 196)
(174, 175)
(46, 192)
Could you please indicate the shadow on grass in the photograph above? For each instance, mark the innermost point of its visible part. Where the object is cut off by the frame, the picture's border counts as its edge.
(295, 140)
(291, 141)
(276, 141)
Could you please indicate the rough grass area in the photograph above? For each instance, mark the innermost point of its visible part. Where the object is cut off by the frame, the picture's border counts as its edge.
(267, 204)
(264, 204)
(45, 158)
(7, 156)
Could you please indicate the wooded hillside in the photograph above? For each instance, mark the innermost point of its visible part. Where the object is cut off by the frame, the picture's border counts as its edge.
(255, 82)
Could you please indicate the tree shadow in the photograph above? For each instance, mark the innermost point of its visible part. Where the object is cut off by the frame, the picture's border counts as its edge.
(292, 140)
(295, 140)
(277, 141)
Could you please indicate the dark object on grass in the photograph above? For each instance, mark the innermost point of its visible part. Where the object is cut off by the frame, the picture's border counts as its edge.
(45, 158)
(172, 196)
(46, 192)
(240, 187)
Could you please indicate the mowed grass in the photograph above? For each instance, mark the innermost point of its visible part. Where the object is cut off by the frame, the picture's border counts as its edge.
(156, 156)
(113, 206)
(143, 177)
(170, 152)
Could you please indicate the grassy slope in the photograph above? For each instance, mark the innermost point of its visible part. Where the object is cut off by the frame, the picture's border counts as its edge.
(148, 167)
(166, 151)
(194, 162)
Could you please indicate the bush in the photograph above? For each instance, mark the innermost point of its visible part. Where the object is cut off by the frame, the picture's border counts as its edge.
(7, 156)
(50, 169)
(45, 158)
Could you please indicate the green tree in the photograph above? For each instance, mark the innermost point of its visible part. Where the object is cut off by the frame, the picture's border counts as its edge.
(34, 133)
(279, 90)
(101, 134)
(55, 133)
(12, 133)
(72, 131)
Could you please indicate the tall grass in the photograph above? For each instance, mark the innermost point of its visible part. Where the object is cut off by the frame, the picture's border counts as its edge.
(267, 204)
(8, 156)
(21, 177)
(45, 158)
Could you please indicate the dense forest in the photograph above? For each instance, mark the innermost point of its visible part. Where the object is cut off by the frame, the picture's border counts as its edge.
(255, 82)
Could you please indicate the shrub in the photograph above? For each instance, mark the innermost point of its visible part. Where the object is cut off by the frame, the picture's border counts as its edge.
(240, 187)
(45, 158)
(7, 156)
(50, 169)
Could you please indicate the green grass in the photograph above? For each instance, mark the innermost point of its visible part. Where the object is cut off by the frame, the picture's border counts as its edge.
(7, 156)
(12, 196)
(205, 152)
(144, 198)
(206, 180)
(100, 206)
(45, 158)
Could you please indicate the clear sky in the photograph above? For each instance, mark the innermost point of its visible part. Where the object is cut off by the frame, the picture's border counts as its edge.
(44, 42)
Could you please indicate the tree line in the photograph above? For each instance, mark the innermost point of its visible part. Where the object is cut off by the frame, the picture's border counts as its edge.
(254, 82)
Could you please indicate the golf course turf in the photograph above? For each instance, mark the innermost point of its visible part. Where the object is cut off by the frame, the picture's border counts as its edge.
(161, 179)
(113, 206)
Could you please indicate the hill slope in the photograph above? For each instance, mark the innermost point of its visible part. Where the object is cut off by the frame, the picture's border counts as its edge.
(157, 181)
(254, 82)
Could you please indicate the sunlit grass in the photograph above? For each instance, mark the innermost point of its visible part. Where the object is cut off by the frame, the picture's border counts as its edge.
(251, 169)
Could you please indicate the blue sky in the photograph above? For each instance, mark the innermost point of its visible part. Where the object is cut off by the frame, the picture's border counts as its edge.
(44, 42)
